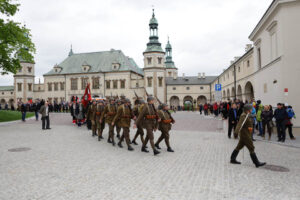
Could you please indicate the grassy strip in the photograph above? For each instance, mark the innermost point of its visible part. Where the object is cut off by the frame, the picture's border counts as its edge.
(8, 115)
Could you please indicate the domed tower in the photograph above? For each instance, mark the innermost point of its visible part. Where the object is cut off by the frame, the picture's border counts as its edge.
(154, 63)
(170, 66)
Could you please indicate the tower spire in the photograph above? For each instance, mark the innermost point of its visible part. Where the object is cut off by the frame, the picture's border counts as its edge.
(71, 51)
(153, 45)
(169, 62)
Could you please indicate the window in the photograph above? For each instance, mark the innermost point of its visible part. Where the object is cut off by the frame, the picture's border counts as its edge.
(49, 86)
(39, 88)
(2, 93)
(115, 84)
(122, 84)
(159, 60)
(55, 86)
(137, 84)
(149, 61)
(174, 88)
(62, 85)
(96, 83)
(160, 81)
(187, 88)
(107, 84)
(228, 75)
(201, 88)
(74, 83)
(170, 73)
(11, 92)
(149, 81)
(84, 82)
(248, 63)
(30, 87)
(239, 69)
(259, 58)
(29, 69)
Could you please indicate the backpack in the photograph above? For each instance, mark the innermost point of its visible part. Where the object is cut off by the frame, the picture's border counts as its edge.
(290, 113)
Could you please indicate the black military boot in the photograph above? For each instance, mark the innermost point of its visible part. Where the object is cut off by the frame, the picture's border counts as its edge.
(113, 143)
(99, 138)
(120, 145)
(134, 142)
(170, 149)
(233, 157)
(108, 140)
(155, 152)
(93, 134)
(130, 148)
(256, 161)
(145, 150)
(157, 146)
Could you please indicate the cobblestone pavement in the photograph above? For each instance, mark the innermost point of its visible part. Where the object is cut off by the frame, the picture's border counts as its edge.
(67, 163)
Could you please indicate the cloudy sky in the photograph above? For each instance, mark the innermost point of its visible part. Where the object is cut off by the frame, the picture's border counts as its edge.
(205, 35)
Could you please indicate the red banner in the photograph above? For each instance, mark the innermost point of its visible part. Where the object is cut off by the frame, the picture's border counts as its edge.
(87, 96)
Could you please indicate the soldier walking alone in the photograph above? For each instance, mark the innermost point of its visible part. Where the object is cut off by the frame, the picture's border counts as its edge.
(244, 128)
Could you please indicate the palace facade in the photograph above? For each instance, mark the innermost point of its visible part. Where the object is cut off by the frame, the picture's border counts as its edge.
(268, 70)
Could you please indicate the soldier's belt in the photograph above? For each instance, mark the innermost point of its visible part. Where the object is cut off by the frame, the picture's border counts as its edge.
(111, 113)
(150, 116)
(98, 113)
(167, 121)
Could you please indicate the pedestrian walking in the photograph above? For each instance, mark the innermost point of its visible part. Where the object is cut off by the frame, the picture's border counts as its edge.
(44, 111)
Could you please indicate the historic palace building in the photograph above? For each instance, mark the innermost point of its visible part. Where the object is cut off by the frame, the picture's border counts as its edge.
(268, 70)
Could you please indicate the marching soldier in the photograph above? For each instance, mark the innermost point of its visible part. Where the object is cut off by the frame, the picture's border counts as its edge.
(165, 126)
(148, 117)
(124, 116)
(140, 132)
(91, 115)
(244, 128)
(99, 111)
(110, 112)
(118, 127)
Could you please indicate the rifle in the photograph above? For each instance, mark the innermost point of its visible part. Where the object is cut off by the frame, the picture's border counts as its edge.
(137, 97)
(166, 110)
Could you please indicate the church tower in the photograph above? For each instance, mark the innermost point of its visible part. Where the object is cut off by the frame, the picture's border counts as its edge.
(171, 70)
(154, 64)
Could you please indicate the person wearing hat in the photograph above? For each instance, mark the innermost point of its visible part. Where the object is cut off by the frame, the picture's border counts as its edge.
(149, 119)
(109, 113)
(118, 127)
(123, 117)
(244, 128)
(140, 132)
(165, 126)
(99, 110)
(91, 115)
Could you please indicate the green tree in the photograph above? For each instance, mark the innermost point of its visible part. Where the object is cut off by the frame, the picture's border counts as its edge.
(15, 41)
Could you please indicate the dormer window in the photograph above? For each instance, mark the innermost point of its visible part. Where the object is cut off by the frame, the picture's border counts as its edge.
(57, 68)
(116, 66)
(29, 69)
(85, 67)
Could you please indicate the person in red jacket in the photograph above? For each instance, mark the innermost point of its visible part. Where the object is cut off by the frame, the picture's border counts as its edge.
(205, 109)
(215, 107)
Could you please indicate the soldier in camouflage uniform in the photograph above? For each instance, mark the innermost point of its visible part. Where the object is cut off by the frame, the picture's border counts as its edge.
(91, 115)
(140, 132)
(99, 111)
(148, 117)
(124, 116)
(109, 113)
(244, 128)
(165, 126)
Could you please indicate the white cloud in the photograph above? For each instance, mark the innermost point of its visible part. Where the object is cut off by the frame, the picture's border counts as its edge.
(205, 35)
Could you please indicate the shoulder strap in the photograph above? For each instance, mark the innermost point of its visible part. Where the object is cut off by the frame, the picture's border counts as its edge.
(244, 122)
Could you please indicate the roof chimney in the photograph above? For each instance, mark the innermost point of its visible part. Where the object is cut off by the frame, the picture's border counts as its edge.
(199, 76)
(203, 75)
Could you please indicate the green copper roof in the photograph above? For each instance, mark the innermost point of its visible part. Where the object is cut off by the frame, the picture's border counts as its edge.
(98, 62)
(153, 20)
(155, 48)
(168, 45)
(169, 62)
(7, 88)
